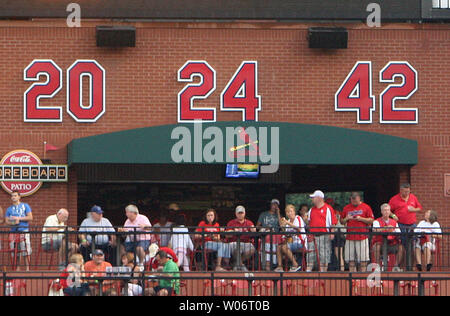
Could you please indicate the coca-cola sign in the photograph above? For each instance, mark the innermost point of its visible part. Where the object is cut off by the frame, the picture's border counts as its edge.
(20, 157)
(25, 158)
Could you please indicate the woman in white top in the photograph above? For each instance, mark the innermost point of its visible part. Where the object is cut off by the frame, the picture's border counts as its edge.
(431, 230)
(292, 242)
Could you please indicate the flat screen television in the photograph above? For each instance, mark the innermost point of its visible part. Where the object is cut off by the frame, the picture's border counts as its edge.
(242, 171)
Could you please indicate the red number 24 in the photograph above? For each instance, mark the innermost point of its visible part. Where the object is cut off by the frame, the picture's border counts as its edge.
(240, 94)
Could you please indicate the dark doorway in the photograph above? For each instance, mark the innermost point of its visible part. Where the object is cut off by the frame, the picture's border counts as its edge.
(200, 187)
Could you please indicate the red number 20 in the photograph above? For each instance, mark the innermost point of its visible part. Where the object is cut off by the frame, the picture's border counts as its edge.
(34, 112)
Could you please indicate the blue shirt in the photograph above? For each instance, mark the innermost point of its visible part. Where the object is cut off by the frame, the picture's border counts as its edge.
(21, 210)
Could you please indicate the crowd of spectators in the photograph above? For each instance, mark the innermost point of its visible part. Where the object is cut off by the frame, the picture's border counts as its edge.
(304, 238)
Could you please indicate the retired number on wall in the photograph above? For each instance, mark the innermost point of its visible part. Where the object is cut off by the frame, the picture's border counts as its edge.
(355, 93)
(86, 113)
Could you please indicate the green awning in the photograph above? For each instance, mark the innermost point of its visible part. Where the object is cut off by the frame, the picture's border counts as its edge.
(296, 143)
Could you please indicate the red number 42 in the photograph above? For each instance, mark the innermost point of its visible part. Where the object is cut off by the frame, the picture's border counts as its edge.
(355, 93)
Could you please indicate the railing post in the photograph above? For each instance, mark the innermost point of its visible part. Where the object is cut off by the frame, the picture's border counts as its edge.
(238, 255)
(118, 259)
(4, 283)
(408, 250)
(275, 287)
(212, 283)
(135, 242)
(421, 285)
(263, 256)
(204, 257)
(271, 250)
(281, 284)
(92, 244)
(350, 284)
(385, 253)
(396, 290)
(143, 282)
(66, 241)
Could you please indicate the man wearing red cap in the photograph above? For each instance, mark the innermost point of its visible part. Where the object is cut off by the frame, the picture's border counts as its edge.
(321, 218)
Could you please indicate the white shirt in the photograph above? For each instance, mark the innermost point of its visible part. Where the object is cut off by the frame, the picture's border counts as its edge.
(427, 227)
(181, 240)
(89, 225)
(52, 222)
(376, 224)
(298, 222)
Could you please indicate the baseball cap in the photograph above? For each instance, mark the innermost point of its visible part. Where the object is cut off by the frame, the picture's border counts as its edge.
(275, 201)
(98, 252)
(240, 209)
(317, 193)
(153, 250)
(96, 209)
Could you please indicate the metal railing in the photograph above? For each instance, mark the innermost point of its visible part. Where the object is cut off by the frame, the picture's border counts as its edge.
(258, 251)
(232, 284)
(441, 4)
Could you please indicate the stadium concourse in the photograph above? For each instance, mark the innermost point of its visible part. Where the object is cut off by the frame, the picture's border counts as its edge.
(289, 145)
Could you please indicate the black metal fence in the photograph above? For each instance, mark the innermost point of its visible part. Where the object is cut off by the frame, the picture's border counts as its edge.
(202, 250)
(231, 284)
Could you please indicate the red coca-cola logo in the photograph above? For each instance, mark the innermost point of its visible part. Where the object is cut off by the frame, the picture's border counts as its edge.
(21, 157)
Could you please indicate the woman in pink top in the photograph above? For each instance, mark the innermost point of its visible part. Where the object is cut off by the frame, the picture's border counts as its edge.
(136, 243)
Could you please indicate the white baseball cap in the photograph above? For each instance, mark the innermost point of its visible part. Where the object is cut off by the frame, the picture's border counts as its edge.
(240, 209)
(153, 250)
(275, 201)
(317, 193)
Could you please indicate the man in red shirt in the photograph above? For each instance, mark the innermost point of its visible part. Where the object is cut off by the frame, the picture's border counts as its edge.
(385, 224)
(405, 205)
(246, 248)
(321, 219)
(358, 216)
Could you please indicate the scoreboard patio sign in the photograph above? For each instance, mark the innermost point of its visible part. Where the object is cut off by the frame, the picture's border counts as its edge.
(23, 171)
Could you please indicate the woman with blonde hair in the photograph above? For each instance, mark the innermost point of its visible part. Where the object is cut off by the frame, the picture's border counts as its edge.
(72, 282)
(291, 242)
(430, 230)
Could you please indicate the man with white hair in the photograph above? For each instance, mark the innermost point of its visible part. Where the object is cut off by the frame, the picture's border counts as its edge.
(136, 243)
(386, 224)
(56, 242)
(321, 218)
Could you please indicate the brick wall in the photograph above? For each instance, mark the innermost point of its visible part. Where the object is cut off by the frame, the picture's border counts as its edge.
(297, 84)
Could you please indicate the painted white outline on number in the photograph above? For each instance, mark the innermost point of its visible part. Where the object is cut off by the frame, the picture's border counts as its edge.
(393, 108)
(191, 101)
(91, 89)
(257, 96)
(357, 109)
(36, 78)
(92, 92)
